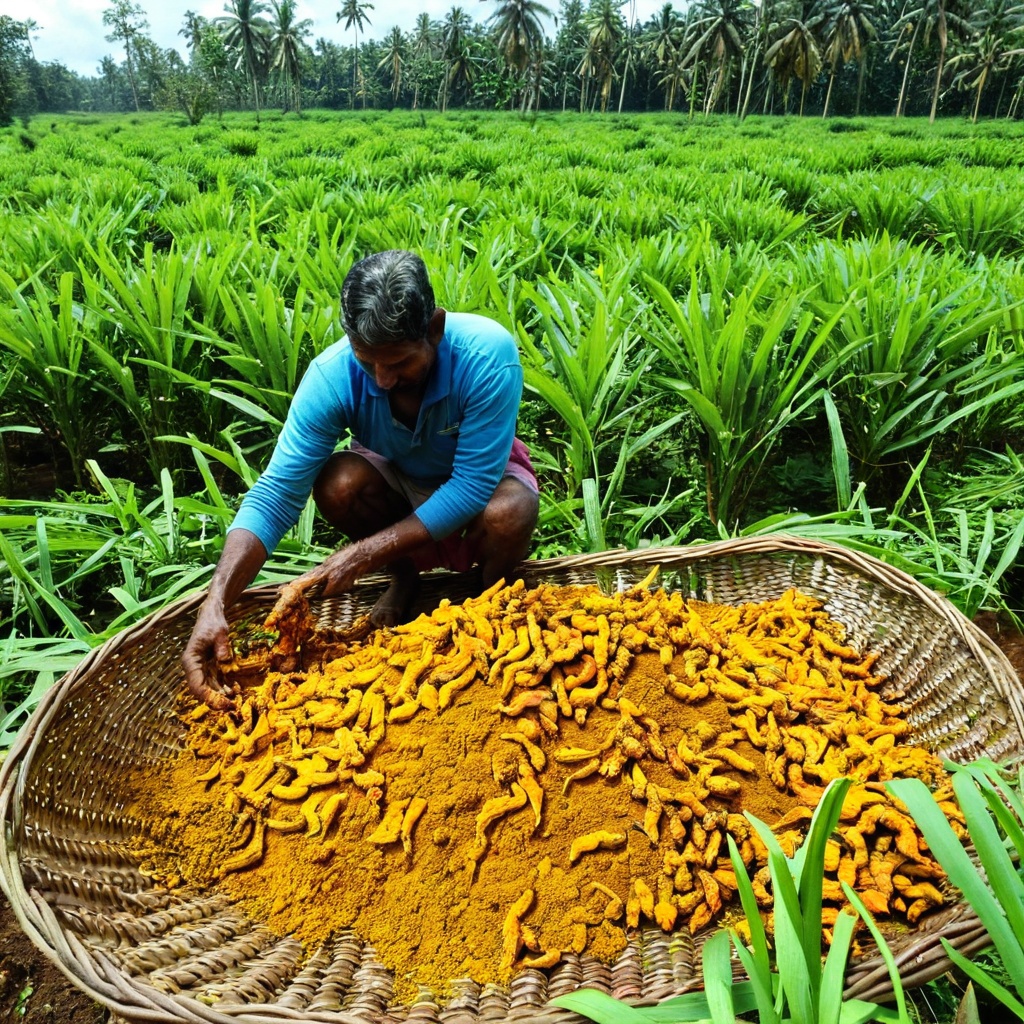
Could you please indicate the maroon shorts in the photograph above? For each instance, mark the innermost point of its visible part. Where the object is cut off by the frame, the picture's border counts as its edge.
(456, 551)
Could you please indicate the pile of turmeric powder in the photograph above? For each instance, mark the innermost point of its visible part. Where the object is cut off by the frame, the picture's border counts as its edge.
(539, 771)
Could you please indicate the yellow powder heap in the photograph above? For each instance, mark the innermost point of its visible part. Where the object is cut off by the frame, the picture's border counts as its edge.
(539, 771)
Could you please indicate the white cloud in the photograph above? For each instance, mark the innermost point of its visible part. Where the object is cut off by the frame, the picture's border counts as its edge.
(74, 34)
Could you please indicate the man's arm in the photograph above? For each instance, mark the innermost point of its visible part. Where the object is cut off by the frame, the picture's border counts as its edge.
(240, 561)
(338, 572)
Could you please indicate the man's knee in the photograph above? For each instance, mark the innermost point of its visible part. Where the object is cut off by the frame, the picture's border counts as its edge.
(512, 511)
(335, 485)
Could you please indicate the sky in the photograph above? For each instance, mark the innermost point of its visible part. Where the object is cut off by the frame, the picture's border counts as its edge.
(72, 31)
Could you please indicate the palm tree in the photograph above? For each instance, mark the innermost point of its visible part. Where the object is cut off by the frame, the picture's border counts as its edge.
(456, 54)
(125, 21)
(950, 19)
(764, 25)
(720, 34)
(990, 51)
(394, 58)
(631, 46)
(28, 26)
(847, 30)
(192, 30)
(520, 39)
(287, 48)
(570, 44)
(663, 42)
(327, 57)
(673, 78)
(795, 55)
(605, 27)
(354, 13)
(424, 44)
(247, 34)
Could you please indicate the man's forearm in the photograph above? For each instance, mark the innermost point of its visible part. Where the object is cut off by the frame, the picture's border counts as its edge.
(395, 542)
(380, 550)
(242, 558)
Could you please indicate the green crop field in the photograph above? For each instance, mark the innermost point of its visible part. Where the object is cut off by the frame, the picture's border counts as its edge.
(727, 328)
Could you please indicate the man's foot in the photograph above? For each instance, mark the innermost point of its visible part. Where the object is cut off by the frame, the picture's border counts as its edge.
(393, 605)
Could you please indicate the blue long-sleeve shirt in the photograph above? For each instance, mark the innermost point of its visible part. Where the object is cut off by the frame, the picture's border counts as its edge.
(460, 445)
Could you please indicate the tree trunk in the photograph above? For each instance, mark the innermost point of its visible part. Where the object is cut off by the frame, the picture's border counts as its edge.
(625, 78)
(828, 94)
(803, 95)
(860, 82)
(739, 89)
(750, 89)
(977, 99)
(1002, 93)
(131, 76)
(906, 73)
(1011, 110)
(938, 82)
(693, 88)
(355, 68)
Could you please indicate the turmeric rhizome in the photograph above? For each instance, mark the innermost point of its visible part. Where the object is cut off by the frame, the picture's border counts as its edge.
(533, 772)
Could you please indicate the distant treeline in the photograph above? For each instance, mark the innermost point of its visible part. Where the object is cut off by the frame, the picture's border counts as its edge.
(915, 57)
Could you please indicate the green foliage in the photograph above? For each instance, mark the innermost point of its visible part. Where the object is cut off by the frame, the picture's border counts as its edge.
(788, 981)
(748, 368)
(240, 143)
(993, 813)
(707, 329)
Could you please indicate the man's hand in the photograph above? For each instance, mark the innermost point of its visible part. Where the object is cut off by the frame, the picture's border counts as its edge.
(336, 574)
(208, 646)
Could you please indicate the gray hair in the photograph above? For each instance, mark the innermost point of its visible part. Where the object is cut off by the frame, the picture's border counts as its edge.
(387, 298)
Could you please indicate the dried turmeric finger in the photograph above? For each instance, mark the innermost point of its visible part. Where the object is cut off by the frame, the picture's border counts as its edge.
(390, 828)
(549, 958)
(534, 792)
(586, 770)
(538, 759)
(595, 841)
(249, 857)
(417, 805)
(512, 930)
(498, 807)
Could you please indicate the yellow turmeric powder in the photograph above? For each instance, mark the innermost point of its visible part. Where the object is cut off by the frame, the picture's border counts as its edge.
(590, 751)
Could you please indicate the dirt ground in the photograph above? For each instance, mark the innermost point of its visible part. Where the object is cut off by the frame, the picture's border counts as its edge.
(33, 991)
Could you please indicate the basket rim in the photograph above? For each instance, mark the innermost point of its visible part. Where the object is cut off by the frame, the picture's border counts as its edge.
(96, 977)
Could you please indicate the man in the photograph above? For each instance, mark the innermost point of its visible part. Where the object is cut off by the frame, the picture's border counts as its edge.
(434, 476)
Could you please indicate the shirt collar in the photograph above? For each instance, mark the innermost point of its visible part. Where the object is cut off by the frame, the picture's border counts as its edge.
(439, 383)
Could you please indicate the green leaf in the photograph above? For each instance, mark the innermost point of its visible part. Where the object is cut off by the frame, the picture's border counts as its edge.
(592, 515)
(840, 453)
(717, 972)
(985, 980)
(833, 976)
(601, 1008)
(962, 872)
(885, 952)
(967, 1011)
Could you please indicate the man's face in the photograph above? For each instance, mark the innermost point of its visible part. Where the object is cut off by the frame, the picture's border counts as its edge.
(402, 366)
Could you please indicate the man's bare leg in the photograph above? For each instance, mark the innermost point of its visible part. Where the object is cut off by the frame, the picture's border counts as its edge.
(503, 532)
(352, 496)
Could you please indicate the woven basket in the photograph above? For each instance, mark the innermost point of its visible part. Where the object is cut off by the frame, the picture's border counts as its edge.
(188, 956)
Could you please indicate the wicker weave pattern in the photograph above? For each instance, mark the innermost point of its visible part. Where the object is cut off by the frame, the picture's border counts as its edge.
(191, 957)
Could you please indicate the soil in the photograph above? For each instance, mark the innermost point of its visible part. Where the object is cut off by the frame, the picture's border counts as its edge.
(33, 990)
